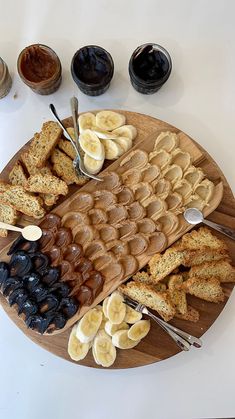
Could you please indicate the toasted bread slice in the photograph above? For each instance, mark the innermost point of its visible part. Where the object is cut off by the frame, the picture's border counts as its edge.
(67, 148)
(3, 186)
(197, 257)
(206, 289)
(220, 269)
(42, 146)
(22, 201)
(63, 167)
(178, 297)
(202, 238)
(146, 294)
(47, 184)
(17, 175)
(162, 265)
(7, 215)
(192, 315)
(49, 199)
(147, 279)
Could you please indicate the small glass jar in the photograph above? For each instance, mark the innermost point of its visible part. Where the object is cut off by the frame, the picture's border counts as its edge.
(149, 68)
(5, 79)
(39, 68)
(92, 69)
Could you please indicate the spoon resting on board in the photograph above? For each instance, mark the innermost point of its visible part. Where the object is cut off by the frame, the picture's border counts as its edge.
(30, 232)
(195, 216)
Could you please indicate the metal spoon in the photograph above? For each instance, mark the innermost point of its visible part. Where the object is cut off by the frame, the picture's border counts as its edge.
(78, 162)
(30, 232)
(195, 216)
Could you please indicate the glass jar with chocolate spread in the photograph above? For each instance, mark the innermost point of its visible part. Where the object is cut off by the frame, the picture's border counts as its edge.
(149, 68)
(92, 69)
(39, 67)
(5, 79)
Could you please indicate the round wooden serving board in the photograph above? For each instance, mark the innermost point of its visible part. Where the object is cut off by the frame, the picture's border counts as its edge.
(157, 345)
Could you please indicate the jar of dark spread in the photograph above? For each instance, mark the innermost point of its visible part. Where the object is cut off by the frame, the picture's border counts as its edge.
(149, 68)
(39, 67)
(92, 69)
(5, 79)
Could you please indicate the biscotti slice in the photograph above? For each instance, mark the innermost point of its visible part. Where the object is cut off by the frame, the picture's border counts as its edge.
(147, 279)
(206, 289)
(7, 215)
(178, 297)
(192, 315)
(49, 199)
(63, 167)
(17, 175)
(3, 186)
(68, 148)
(197, 257)
(145, 294)
(162, 265)
(47, 184)
(220, 269)
(197, 239)
(22, 201)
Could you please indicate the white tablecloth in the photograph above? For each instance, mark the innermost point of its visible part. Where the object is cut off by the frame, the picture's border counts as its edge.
(199, 98)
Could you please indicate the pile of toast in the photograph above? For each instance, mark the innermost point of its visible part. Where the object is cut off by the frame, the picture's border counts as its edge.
(41, 175)
(197, 264)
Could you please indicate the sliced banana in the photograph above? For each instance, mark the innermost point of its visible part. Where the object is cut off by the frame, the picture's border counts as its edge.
(116, 309)
(103, 350)
(121, 340)
(109, 120)
(91, 165)
(132, 316)
(112, 149)
(104, 306)
(76, 349)
(89, 325)
(86, 121)
(124, 142)
(104, 135)
(128, 131)
(91, 145)
(139, 330)
(111, 328)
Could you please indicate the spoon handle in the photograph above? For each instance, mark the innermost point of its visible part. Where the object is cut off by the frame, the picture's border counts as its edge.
(10, 227)
(222, 229)
(66, 134)
(74, 110)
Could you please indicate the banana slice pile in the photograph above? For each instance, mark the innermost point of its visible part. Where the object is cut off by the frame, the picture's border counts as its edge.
(105, 328)
(104, 136)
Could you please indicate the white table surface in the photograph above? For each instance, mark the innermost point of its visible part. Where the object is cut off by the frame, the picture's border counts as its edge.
(199, 98)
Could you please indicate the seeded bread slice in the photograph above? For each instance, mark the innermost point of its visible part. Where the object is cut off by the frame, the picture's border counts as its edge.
(178, 297)
(197, 257)
(17, 175)
(42, 146)
(67, 148)
(145, 278)
(219, 269)
(206, 289)
(3, 186)
(47, 184)
(146, 294)
(192, 315)
(162, 265)
(202, 238)
(7, 215)
(22, 201)
(63, 167)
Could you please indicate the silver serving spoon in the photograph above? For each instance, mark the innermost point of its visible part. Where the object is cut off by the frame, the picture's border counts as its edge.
(78, 162)
(195, 216)
(30, 232)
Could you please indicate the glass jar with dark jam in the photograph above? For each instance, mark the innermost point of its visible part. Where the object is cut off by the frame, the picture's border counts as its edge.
(149, 68)
(92, 69)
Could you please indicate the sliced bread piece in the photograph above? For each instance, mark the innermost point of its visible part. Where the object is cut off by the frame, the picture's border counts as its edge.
(7, 215)
(192, 315)
(197, 257)
(17, 175)
(219, 269)
(3, 186)
(22, 201)
(47, 184)
(162, 265)
(178, 297)
(202, 238)
(67, 148)
(146, 294)
(49, 199)
(206, 289)
(63, 167)
(147, 279)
